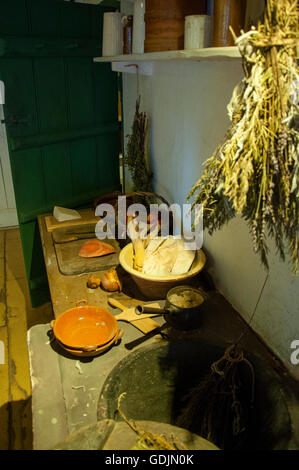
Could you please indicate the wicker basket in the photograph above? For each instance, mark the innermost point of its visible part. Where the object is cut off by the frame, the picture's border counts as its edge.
(112, 198)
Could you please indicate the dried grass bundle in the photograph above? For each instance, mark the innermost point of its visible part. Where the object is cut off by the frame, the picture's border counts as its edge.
(137, 155)
(254, 173)
(220, 407)
(147, 440)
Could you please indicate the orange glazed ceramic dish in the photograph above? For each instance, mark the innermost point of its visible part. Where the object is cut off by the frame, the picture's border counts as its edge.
(95, 248)
(94, 352)
(85, 327)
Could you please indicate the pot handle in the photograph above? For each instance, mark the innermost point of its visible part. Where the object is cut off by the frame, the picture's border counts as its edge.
(83, 302)
(141, 309)
(147, 336)
(119, 336)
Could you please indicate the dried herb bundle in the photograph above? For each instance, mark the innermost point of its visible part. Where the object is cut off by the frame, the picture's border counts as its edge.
(219, 408)
(137, 157)
(146, 439)
(254, 173)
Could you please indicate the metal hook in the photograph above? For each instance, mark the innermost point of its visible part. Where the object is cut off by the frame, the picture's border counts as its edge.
(137, 73)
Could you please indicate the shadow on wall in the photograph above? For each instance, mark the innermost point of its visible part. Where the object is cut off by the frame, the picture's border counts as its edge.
(16, 425)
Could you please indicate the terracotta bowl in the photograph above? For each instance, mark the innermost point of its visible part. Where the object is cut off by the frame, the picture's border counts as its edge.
(156, 287)
(97, 351)
(85, 328)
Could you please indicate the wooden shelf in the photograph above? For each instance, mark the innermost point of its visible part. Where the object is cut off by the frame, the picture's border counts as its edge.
(125, 63)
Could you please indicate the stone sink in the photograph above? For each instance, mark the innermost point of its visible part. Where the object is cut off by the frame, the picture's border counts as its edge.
(157, 377)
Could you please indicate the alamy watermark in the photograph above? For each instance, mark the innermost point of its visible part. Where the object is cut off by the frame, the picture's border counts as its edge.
(146, 223)
(294, 358)
(2, 93)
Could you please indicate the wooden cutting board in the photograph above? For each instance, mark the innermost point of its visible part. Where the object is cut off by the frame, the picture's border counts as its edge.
(69, 262)
(143, 323)
(67, 234)
(87, 217)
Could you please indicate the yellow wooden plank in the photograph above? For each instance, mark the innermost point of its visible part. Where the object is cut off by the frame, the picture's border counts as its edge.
(4, 391)
(15, 266)
(17, 331)
(2, 236)
(12, 234)
(20, 387)
(2, 294)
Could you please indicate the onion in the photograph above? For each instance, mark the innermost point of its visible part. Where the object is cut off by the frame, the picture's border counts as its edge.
(93, 282)
(111, 282)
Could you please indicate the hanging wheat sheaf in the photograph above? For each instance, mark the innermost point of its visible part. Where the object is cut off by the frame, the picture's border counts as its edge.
(254, 172)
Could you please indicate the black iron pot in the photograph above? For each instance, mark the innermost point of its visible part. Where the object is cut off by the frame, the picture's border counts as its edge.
(177, 316)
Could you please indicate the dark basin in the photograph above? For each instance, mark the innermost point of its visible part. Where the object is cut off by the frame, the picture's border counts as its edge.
(156, 378)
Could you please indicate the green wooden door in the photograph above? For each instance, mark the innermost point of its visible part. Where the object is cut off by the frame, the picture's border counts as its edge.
(61, 114)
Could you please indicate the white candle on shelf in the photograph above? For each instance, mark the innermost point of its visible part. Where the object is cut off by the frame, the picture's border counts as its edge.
(138, 27)
(112, 34)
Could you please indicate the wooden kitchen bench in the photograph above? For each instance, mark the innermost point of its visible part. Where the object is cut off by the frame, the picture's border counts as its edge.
(66, 388)
(67, 290)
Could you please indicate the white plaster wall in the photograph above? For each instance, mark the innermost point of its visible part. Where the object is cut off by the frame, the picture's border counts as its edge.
(187, 103)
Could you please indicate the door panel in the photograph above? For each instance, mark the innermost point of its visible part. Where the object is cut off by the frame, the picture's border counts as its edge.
(79, 72)
(61, 115)
(44, 18)
(32, 250)
(50, 92)
(13, 18)
(57, 172)
(83, 168)
(28, 182)
(20, 98)
(76, 21)
(107, 166)
(106, 103)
